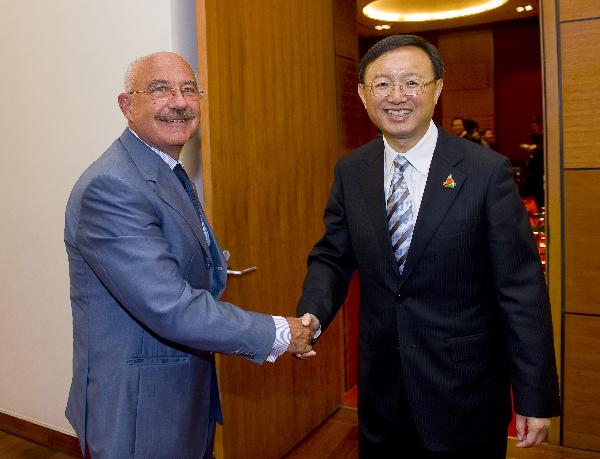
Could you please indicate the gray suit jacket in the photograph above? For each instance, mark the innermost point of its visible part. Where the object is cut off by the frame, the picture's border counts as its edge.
(146, 314)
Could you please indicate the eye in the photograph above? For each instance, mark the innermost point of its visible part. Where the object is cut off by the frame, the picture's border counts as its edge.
(158, 89)
(412, 84)
(381, 84)
(191, 90)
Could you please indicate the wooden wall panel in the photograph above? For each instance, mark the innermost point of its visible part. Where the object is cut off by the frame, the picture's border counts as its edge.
(269, 144)
(346, 40)
(552, 150)
(582, 241)
(581, 421)
(579, 9)
(581, 92)
(354, 126)
(469, 81)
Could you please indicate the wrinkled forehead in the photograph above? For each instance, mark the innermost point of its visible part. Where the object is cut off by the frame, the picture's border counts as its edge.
(165, 67)
(406, 61)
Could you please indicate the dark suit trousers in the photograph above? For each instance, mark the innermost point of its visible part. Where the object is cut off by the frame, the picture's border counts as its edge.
(407, 445)
(400, 440)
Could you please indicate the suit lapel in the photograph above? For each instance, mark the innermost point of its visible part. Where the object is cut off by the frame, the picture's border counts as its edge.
(371, 179)
(166, 184)
(437, 198)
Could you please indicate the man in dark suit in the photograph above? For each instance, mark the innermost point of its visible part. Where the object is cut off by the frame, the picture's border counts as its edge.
(454, 307)
(146, 274)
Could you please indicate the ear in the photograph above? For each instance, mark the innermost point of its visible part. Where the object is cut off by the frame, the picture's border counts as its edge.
(362, 95)
(125, 105)
(438, 89)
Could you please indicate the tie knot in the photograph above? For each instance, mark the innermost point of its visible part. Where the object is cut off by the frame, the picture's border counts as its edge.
(401, 163)
(181, 174)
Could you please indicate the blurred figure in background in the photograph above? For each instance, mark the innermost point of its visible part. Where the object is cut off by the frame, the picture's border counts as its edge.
(534, 169)
(488, 138)
(457, 127)
(472, 130)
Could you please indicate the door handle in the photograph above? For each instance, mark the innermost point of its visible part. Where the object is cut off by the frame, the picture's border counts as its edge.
(237, 272)
(241, 272)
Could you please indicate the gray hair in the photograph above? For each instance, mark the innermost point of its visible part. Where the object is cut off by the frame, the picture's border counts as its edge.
(130, 72)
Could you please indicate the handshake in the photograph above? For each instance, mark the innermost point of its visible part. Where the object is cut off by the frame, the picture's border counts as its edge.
(302, 331)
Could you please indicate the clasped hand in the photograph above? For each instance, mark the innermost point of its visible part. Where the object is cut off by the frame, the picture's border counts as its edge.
(302, 331)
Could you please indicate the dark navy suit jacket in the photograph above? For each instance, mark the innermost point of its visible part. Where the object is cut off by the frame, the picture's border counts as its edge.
(468, 317)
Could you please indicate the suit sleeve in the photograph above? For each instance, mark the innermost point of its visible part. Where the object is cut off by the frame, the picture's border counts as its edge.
(523, 298)
(120, 237)
(330, 262)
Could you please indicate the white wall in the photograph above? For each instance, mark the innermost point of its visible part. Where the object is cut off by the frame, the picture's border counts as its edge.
(62, 68)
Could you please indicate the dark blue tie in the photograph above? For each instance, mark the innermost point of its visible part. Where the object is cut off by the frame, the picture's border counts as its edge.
(191, 191)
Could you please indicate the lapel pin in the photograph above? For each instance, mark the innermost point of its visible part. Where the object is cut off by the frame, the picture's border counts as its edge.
(449, 182)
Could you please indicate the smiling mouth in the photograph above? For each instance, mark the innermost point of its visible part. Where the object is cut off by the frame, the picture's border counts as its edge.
(398, 112)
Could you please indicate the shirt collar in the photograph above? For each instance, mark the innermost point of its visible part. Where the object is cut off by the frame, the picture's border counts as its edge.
(171, 162)
(418, 156)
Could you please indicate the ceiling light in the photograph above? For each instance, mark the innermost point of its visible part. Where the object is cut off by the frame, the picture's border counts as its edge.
(528, 8)
(383, 27)
(519, 9)
(400, 11)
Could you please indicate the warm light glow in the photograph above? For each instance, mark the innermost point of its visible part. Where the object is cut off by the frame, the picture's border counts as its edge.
(519, 9)
(383, 27)
(386, 10)
(528, 8)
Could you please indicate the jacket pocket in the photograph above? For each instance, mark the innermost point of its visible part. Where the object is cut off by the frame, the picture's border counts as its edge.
(142, 361)
(471, 347)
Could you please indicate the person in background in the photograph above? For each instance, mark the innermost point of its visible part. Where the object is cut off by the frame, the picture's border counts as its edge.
(146, 274)
(488, 138)
(472, 130)
(457, 126)
(534, 168)
(454, 308)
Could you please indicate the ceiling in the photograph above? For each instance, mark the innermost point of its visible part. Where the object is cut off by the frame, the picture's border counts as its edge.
(506, 12)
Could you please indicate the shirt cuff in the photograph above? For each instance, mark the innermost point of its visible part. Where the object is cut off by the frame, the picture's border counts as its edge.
(283, 338)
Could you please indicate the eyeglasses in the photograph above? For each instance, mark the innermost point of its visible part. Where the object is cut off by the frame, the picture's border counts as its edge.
(384, 87)
(161, 92)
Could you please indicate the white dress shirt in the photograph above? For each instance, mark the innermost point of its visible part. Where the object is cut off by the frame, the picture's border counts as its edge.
(419, 158)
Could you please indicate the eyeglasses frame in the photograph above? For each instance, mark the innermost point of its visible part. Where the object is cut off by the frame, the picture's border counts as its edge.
(148, 91)
(402, 90)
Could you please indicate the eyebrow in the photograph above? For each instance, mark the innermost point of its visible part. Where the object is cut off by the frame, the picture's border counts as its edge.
(183, 83)
(154, 82)
(405, 75)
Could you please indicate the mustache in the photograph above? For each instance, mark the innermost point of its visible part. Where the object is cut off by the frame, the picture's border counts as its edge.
(176, 114)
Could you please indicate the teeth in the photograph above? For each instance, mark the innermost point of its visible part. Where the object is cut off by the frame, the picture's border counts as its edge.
(399, 112)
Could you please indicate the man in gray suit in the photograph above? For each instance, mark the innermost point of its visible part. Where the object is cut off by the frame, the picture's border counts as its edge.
(454, 308)
(146, 274)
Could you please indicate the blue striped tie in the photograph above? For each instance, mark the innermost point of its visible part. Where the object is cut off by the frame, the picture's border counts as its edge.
(399, 212)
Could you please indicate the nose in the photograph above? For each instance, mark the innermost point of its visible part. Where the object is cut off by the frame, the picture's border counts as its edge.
(177, 98)
(397, 92)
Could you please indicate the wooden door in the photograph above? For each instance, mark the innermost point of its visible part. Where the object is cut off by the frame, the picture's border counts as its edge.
(269, 145)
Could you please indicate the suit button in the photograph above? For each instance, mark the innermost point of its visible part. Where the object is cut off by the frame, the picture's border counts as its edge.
(209, 264)
(399, 295)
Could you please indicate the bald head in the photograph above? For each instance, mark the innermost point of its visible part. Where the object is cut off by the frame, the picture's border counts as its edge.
(161, 101)
(137, 66)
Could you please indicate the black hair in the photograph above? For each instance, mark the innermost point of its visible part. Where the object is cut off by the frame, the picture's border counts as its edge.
(394, 42)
